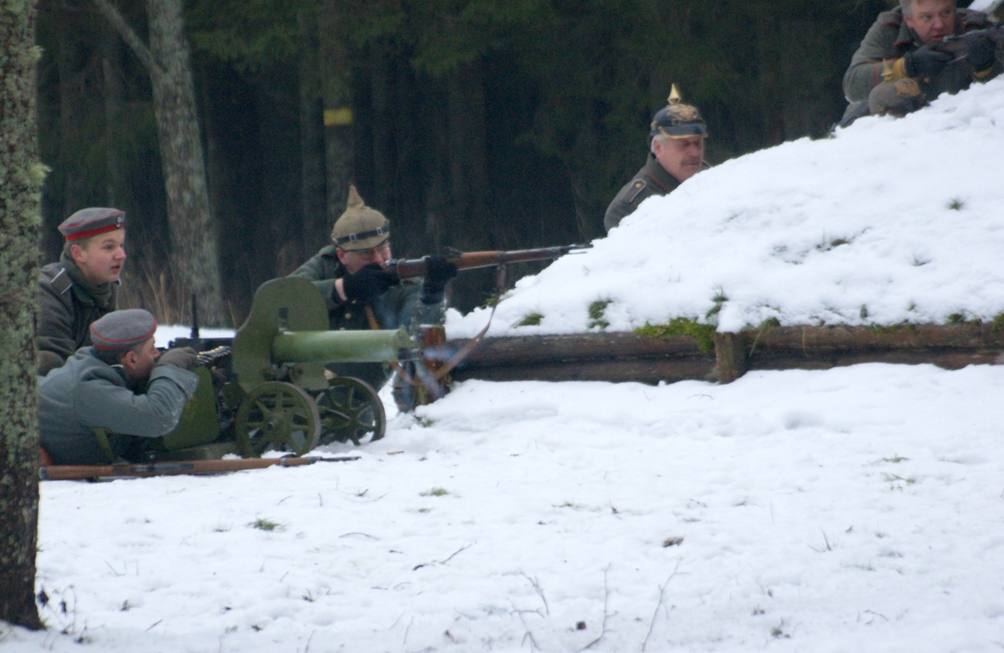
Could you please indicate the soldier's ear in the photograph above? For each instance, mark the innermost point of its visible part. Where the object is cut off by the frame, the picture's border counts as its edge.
(340, 253)
(75, 250)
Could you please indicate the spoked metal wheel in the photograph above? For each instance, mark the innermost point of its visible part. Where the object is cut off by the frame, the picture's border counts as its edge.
(277, 416)
(350, 410)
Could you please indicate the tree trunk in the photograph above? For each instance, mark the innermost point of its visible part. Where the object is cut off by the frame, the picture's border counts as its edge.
(21, 174)
(194, 253)
(336, 89)
(313, 191)
(113, 94)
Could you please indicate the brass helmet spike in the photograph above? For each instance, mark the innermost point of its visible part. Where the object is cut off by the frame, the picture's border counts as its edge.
(674, 96)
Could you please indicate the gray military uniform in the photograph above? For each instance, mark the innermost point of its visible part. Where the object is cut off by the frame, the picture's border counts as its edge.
(87, 394)
(890, 38)
(68, 305)
(651, 180)
(400, 306)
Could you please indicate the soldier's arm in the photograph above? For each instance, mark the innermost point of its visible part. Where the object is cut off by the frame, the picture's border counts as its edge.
(102, 404)
(320, 271)
(55, 330)
(867, 64)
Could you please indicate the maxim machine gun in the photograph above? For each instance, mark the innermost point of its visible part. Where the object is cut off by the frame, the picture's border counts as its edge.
(269, 388)
(275, 393)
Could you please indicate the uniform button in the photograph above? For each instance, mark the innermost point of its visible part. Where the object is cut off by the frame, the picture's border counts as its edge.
(348, 316)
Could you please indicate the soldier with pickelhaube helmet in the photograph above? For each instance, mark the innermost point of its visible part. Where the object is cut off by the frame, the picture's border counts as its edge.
(362, 293)
(676, 154)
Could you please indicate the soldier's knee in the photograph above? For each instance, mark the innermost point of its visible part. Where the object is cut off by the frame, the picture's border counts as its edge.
(896, 98)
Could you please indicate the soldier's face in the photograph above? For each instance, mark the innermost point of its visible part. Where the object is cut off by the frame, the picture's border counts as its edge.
(100, 258)
(355, 260)
(138, 362)
(681, 157)
(932, 20)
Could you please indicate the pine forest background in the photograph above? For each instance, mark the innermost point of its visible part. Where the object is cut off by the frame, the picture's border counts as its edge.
(475, 124)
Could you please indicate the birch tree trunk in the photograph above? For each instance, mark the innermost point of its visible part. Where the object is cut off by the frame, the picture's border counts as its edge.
(194, 253)
(21, 174)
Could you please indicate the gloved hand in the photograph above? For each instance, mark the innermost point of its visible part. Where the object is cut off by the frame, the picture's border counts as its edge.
(925, 63)
(981, 54)
(183, 357)
(367, 284)
(438, 272)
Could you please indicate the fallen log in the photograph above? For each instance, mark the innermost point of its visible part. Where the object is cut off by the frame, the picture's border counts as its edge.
(632, 357)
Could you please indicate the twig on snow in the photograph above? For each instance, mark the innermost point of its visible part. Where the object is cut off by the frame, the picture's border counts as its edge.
(540, 592)
(655, 613)
(533, 643)
(442, 562)
(606, 614)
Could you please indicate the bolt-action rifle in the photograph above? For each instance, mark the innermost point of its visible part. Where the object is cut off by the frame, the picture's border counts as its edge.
(467, 260)
(174, 468)
(957, 45)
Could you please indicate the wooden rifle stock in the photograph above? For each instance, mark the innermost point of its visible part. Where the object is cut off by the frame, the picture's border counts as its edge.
(174, 468)
(468, 260)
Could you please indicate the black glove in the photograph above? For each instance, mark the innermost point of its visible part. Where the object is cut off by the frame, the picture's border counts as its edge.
(438, 272)
(367, 284)
(981, 54)
(925, 63)
(183, 357)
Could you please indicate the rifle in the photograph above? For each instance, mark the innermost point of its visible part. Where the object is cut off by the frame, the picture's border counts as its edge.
(175, 468)
(469, 260)
(958, 44)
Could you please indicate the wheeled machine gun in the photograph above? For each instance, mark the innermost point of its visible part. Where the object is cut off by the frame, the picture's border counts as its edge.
(273, 391)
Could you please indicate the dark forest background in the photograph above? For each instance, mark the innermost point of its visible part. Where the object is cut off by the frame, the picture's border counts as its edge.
(475, 124)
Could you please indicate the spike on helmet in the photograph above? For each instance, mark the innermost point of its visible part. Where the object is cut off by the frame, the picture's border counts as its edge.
(678, 120)
(360, 227)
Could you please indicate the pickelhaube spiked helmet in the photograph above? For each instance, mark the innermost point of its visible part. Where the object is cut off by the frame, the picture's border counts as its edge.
(678, 120)
(360, 227)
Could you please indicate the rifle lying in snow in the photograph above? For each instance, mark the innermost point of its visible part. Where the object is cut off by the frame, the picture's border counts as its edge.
(468, 260)
(174, 468)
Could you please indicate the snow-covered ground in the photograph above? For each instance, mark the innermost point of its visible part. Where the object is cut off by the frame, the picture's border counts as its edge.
(854, 509)
(888, 221)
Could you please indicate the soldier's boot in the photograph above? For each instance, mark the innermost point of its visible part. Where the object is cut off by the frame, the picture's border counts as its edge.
(896, 98)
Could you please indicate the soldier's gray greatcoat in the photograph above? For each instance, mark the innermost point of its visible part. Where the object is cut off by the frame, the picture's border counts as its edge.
(68, 305)
(651, 180)
(889, 38)
(401, 305)
(86, 394)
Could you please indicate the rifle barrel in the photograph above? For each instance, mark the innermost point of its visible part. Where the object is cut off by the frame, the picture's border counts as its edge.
(174, 468)
(470, 260)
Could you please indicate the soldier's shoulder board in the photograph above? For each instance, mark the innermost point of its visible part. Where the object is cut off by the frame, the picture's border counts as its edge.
(637, 187)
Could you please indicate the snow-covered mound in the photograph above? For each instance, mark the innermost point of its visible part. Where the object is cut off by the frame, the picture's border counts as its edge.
(891, 220)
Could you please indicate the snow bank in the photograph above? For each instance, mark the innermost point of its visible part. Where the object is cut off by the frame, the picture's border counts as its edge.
(890, 220)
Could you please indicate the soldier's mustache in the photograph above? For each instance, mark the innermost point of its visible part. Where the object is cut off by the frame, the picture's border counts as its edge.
(692, 161)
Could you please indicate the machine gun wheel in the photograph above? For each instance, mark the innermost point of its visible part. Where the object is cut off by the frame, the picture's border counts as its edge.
(350, 410)
(277, 416)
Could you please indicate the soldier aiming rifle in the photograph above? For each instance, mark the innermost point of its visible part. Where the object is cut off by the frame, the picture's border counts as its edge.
(364, 288)
(917, 51)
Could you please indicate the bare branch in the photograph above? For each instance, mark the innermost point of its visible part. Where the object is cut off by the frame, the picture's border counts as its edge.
(655, 613)
(540, 592)
(129, 36)
(606, 613)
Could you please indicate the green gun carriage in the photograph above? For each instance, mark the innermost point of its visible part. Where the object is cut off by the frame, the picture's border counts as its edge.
(268, 388)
